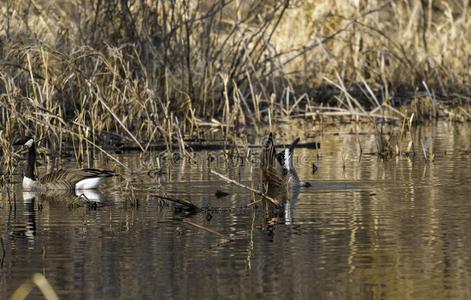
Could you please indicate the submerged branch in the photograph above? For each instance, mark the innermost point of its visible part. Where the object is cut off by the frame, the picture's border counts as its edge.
(206, 229)
(274, 201)
(185, 203)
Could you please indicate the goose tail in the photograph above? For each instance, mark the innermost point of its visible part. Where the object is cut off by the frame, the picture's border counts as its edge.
(94, 179)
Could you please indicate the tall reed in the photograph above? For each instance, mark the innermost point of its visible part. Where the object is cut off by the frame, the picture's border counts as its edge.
(106, 73)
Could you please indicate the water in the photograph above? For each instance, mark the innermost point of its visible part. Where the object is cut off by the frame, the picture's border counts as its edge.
(395, 229)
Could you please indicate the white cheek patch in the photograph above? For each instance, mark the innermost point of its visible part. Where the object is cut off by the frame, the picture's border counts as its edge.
(287, 160)
(29, 143)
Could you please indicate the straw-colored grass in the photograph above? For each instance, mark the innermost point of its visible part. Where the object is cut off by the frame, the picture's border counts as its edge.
(101, 73)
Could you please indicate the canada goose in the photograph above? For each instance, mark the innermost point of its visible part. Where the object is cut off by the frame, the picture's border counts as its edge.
(278, 168)
(72, 179)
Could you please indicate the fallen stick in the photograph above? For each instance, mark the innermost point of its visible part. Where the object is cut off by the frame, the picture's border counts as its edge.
(274, 201)
(191, 146)
(182, 202)
(253, 203)
(206, 229)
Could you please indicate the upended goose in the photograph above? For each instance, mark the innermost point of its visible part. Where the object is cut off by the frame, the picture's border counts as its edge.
(68, 179)
(278, 168)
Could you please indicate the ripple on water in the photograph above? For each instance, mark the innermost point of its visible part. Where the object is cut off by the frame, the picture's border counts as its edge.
(375, 229)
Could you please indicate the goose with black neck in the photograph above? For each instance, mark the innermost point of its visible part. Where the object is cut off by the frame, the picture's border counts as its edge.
(64, 179)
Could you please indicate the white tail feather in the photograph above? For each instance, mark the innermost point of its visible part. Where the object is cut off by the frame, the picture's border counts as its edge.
(89, 183)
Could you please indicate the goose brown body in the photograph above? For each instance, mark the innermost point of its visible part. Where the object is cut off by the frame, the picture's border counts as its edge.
(278, 168)
(64, 179)
(70, 179)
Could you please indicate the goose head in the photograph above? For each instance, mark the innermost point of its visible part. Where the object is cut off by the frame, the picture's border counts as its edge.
(27, 141)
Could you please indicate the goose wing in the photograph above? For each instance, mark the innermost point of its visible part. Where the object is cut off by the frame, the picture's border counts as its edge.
(69, 179)
(272, 162)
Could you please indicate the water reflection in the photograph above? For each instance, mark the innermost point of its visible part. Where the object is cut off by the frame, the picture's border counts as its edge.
(35, 201)
(394, 229)
(30, 218)
(287, 198)
(290, 205)
(64, 197)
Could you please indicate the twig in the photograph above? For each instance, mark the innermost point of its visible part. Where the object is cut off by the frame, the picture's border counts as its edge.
(41, 123)
(120, 122)
(464, 111)
(343, 113)
(206, 229)
(274, 201)
(162, 145)
(254, 202)
(186, 203)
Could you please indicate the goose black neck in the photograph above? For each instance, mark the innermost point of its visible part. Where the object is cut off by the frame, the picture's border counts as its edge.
(31, 161)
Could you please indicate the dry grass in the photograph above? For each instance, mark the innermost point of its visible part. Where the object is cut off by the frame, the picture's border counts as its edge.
(93, 74)
(37, 280)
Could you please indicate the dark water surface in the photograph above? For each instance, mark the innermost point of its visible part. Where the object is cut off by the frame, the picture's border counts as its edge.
(395, 229)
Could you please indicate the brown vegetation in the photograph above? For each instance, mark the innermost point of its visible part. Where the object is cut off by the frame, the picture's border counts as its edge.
(107, 72)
